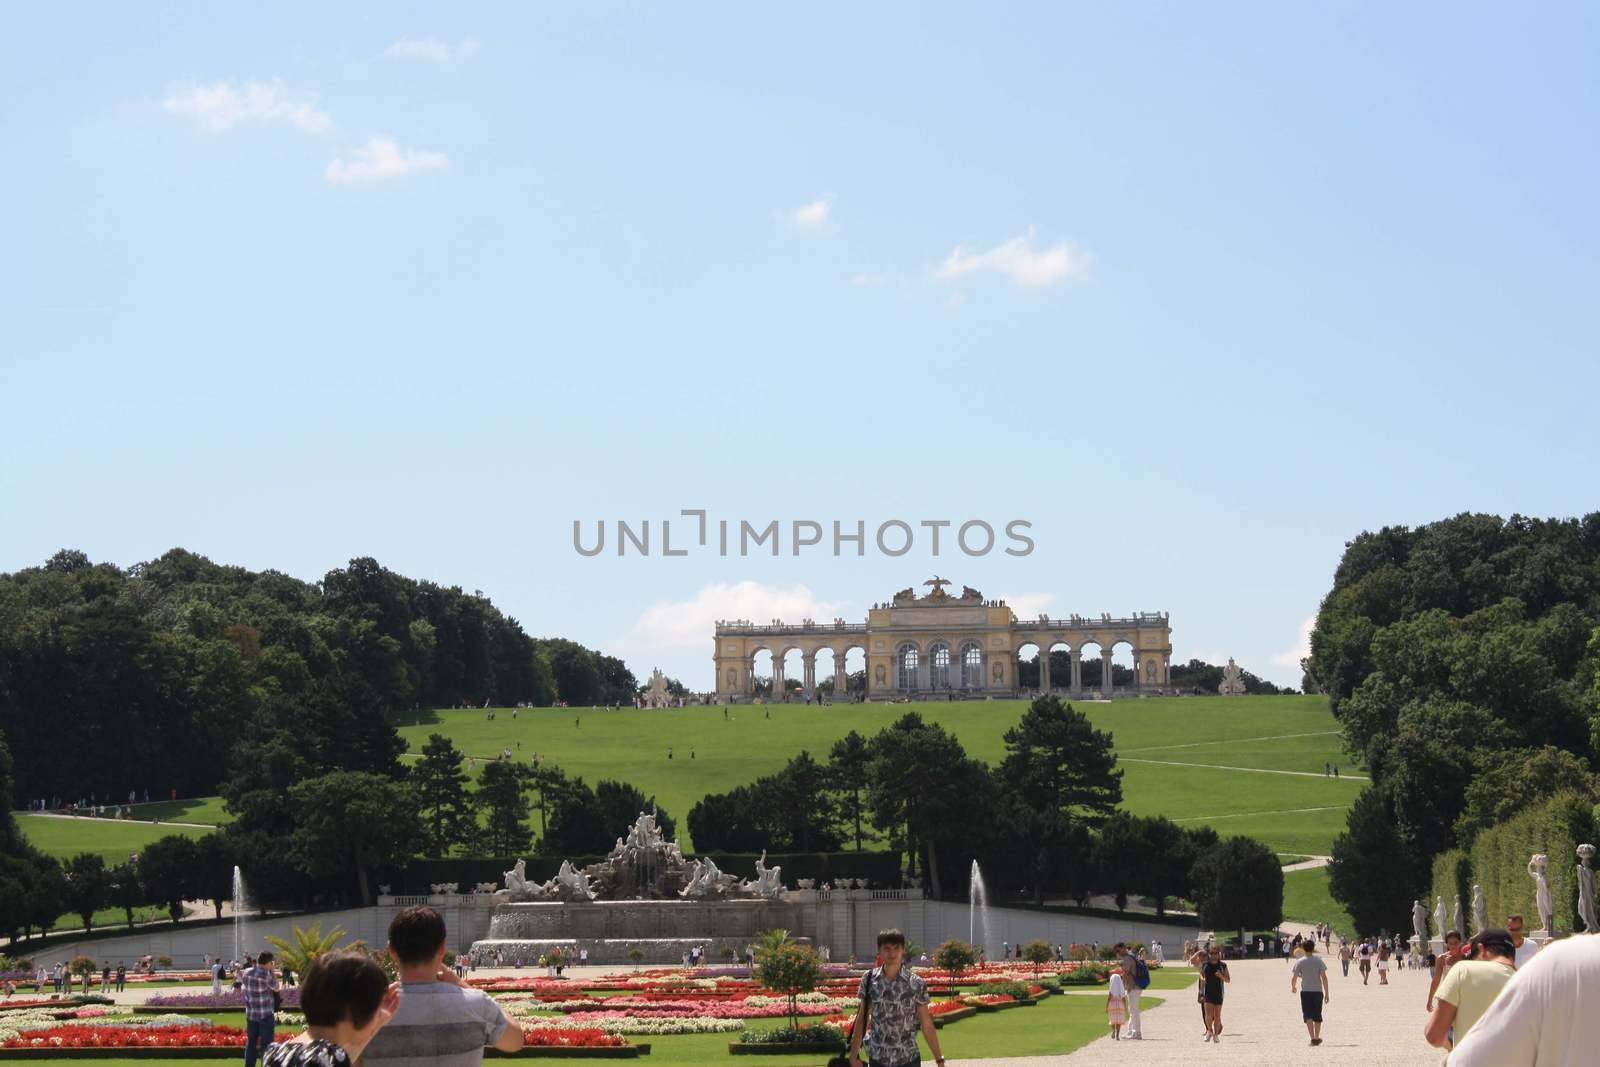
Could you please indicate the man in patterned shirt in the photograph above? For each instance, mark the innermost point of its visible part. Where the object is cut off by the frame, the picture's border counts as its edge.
(260, 1008)
(894, 1003)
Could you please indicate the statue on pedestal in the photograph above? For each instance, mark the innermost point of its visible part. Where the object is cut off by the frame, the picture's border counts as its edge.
(1537, 865)
(1419, 921)
(1455, 917)
(1232, 680)
(1438, 917)
(516, 879)
(1591, 925)
(1480, 910)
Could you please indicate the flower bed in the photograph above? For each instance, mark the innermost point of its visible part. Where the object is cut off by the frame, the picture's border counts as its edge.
(121, 1036)
(633, 1026)
(227, 1001)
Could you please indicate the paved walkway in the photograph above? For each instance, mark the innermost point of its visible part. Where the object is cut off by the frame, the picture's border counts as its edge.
(1373, 1025)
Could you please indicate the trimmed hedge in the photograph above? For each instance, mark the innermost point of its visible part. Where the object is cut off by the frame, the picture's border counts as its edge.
(1500, 860)
(1452, 877)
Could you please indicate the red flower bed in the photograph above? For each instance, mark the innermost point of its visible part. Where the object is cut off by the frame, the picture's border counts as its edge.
(991, 998)
(945, 1007)
(131, 1037)
(548, 1035)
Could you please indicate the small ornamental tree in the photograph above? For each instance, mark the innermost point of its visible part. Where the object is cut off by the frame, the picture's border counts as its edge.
(788, 968)
(81, 966)
(308, 946)
(1038, 953)
(956, 957)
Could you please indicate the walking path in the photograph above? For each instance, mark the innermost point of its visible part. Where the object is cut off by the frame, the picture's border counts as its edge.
(115, 822)
(1227, 741)
(1249, 770)
(1373, 1025)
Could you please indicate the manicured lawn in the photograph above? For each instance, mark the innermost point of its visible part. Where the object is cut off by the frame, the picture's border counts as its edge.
(206, 810)
(1055, 1026)
(711, 753)
(113, 839)
(1306, 898)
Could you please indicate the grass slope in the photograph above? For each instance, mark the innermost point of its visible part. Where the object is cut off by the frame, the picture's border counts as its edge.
(1266, 733)
(113, 839)
(1306, 899)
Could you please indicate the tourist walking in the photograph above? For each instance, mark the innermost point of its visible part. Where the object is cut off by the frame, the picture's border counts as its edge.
(439, 1021)
(1344, 957)
(893, 1007)
(1310, 974)
(122, 975)
(1130, 974)
(216, 977)
(1213, 974)
(1525, 947)
(1441, 966)
(1470, 987)
(260, 1008)
(1546, 1016)
(1364, 959)
(1117, 1002)
(1383, 962)
(346, 999)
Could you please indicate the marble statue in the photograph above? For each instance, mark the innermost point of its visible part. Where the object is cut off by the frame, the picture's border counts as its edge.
(1419, 921)
(1438, 917)
(1537, 865)
(516, 879)
(1455, 917)
(1591, 925)
(573, 883)
(705, 880)
(1480, 910)
(767, 882)
(1232, 680)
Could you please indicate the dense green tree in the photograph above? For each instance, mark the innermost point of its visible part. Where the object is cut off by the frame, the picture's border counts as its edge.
(440, 785)
(729, 822)
(847, 778)
(88, 886)
(348, 822)
(619, 807)
(504, 804)
(124, 890)
(213, 878)
(1372, 873)
(1507, 782)
(167, 871)
(1056, 758)
(1238, 885)
(924, 789)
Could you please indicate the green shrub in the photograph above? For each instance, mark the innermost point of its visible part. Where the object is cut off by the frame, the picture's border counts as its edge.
(822, 1038)
(1088, 974)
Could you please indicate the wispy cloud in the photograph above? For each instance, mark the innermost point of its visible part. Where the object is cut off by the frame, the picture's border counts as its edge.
(381, 159)
(686, 623)
(222, 106)
(817, 216)
(1289, 659)
(1028, 605)
(433, 50)
(866, 280)
(1019, 260)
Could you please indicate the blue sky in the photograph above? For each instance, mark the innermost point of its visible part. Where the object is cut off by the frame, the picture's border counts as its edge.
(1200, 291)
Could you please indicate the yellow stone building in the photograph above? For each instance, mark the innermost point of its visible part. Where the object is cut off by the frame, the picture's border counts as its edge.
(942, 644)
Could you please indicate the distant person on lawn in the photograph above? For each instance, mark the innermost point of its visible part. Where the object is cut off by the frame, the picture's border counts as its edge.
(440, 1022)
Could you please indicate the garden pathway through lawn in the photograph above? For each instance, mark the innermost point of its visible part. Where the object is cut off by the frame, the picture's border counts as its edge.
(1373, 1025)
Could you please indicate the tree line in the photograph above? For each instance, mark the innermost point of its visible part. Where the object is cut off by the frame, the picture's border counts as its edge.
(1462, 660)
(171, 666)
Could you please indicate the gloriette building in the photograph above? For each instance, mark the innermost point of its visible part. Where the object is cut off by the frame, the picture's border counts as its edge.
(941, 644)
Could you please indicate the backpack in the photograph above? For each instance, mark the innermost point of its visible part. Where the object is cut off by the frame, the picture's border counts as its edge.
(1141, 974)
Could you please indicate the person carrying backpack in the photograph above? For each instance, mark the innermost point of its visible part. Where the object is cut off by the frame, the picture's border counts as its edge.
(1138, 980)
(894, 1006)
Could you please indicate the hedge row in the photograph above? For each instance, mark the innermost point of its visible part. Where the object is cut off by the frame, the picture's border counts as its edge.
(1498, 861)
(1452, 880)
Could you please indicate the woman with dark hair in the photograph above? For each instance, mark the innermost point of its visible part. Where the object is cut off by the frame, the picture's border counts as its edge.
(346, 998)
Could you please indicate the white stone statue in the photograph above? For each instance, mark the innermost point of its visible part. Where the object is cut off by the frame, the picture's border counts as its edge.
(704, 879)
(1438, 917)
(1591, 925)
(1419, 921)
(573, 883)
(1455, 917)
(1232, 680)
(516, 879)
(1480, 910)
(1537, 865)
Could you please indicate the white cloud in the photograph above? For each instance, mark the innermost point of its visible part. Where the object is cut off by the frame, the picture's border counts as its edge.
(433, 50)
(1028, 605)
(222, 106)
(1289, 659)
(381, 159)
(816, 216)
(690, 623)
(1020, 261)
(866, 280)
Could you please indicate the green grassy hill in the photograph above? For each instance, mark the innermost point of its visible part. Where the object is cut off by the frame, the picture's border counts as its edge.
(1245, 765)
(113, 839)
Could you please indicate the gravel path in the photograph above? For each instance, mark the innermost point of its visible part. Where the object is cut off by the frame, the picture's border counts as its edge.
(1373, 1025)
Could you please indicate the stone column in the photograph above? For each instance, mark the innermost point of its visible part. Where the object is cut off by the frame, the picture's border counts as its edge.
(808, 672)
(841, 677)
(1105, 673)
(1077, 672)
(777, 680)
(1044, 668)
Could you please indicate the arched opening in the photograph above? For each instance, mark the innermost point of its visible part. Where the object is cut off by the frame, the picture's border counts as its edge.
(1123, 677)
(761, 673)
(939, 666)
(1027, 666)
(906, 661)
(794, 673)
(855, 670)
(1089, 667)
(1059, 664)
(822, 668)
(972, 666)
